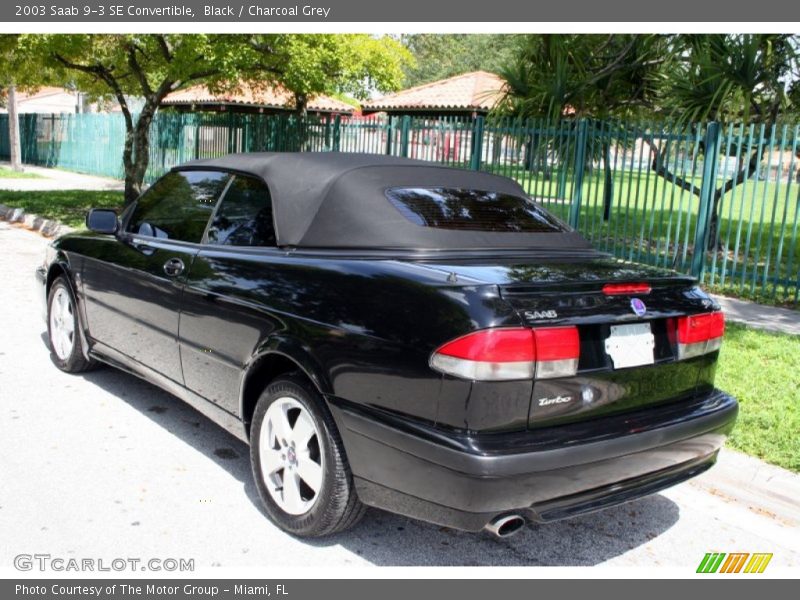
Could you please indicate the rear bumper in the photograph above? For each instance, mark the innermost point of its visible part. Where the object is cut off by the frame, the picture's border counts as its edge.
(464, 481)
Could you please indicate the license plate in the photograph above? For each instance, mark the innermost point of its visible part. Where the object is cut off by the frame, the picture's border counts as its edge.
(630, 345)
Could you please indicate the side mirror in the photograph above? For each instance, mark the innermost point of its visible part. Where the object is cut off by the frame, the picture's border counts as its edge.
(102, 220)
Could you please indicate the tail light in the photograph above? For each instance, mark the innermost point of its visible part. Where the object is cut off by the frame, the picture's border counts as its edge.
(624, 289)
(700, 334)
(508, 354)
(557, 352)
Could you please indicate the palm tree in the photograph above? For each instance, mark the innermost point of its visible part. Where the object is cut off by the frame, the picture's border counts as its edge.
(589, 77)
(727, 79)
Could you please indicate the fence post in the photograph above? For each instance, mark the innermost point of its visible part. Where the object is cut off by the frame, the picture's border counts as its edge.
(389, 134)
(327, 143)
(31, 154)
(707, 189)
(337, 133)
(247, 145)
(196, 137)
(405, 129)
(608, 179)
(477, 143)
(231, 133)
(580, 166)
(4, 146)
(278, 124)
(561, 189)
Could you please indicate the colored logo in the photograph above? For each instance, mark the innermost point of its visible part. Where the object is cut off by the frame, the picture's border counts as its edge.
(638, 307)
(734, 562)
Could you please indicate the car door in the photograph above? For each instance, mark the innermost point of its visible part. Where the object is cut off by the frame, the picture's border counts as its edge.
(134, 281)
(222, 318)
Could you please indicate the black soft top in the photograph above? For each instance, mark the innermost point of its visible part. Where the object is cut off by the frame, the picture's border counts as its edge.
(337, 200)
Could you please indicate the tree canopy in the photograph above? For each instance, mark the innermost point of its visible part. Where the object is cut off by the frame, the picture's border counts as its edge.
(150, 66)
(690, 79)
(438, 56)
(731, 78)
(309, 65)
(590, 75)
(723, 77)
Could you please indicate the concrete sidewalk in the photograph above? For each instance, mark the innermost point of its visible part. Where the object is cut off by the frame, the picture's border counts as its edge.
(761, 316)
(58, 179)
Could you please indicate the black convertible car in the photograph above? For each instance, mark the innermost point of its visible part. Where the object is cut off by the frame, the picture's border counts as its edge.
(392, 333)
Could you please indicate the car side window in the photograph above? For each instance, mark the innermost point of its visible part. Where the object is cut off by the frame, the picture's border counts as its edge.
(244, 216)
(178, 206)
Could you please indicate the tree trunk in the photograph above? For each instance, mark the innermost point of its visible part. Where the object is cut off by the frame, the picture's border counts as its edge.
(743, 174)
(300, 105)
(661, 170)
(136, 153)
(131, 191)
(13, 130)
(713, 227)
(529, 154)
(497, 148)
(301, 112)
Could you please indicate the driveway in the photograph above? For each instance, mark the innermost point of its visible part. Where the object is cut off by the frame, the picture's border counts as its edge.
(105, 465)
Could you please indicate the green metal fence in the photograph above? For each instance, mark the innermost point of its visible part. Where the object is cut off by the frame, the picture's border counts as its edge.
(718, 202)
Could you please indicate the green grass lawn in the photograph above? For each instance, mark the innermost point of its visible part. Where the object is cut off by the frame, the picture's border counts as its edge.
(762, 370)
(6, 173)
(69, 206)
(754, 216)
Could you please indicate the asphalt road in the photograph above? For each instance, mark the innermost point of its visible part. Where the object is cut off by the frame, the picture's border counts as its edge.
(105, 465)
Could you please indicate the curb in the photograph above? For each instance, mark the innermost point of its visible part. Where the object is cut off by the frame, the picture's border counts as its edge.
(46, 227)
(765, 489)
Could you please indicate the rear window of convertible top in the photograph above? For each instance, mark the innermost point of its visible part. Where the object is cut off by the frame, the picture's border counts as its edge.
(472, 210)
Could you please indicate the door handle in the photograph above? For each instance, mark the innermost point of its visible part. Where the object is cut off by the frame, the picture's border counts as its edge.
(174, 267)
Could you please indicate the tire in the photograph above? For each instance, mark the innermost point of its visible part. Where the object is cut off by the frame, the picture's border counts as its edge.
(66, 347)
(279, 445)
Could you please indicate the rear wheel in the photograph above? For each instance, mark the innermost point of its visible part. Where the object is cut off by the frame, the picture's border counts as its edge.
(298, 461)
(66, 349)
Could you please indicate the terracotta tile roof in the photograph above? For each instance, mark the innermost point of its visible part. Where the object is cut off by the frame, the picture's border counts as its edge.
(476, 91)
(43, 92)
(274, 97)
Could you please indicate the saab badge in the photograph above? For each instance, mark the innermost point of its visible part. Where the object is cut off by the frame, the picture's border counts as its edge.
(638, 307)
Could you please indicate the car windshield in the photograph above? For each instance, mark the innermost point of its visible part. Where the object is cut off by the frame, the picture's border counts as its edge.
(472, 210)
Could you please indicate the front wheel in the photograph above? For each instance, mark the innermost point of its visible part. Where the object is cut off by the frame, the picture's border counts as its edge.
(62, 329)
(299, 464)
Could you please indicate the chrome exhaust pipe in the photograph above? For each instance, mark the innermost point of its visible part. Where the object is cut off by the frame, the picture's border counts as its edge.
(505, 526)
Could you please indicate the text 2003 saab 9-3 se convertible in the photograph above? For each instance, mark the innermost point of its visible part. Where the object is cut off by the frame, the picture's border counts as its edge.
(393, 333)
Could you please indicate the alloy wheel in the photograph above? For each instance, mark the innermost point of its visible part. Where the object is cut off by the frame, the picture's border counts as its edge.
(62, 324)
(291, 459)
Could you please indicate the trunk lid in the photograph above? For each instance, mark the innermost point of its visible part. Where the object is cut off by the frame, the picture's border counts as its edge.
(571, 293)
